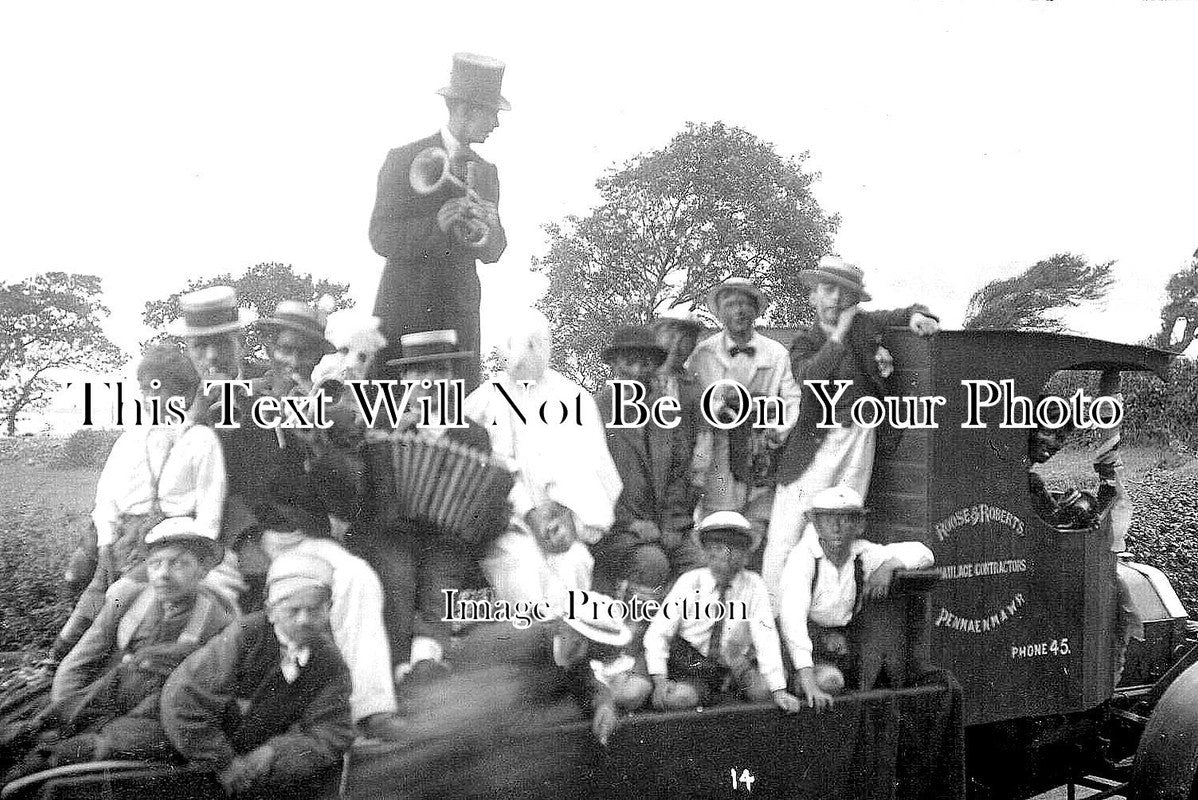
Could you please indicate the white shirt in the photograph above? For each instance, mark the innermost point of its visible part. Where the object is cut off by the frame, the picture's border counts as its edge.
(767, 372)
(453, 147)
(832, 601)
(567, 462)
(741, 637)
(192, 480)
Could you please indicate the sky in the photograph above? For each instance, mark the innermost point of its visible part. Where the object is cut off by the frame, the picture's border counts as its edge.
(150, 143)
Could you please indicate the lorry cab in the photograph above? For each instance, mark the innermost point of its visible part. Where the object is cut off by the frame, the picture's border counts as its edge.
(1024, 614)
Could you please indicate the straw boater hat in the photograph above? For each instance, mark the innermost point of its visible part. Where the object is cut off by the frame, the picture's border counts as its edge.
(729, 527)
(294, 571)
(184, 532)
(743, 285)
(638, 338)
(838, 499)
(679, 317)
(598, 625)
(210, 311)
(302, 318)
(477, 80)
(426, 346)
(836, 270)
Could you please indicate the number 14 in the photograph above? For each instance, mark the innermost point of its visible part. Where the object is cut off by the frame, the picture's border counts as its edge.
(746, 779)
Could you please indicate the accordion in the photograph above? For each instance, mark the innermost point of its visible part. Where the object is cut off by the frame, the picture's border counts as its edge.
(440, 483)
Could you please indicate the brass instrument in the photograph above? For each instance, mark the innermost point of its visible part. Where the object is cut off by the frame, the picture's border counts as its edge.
(430, 172)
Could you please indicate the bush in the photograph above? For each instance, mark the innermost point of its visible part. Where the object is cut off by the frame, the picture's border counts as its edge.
(86, 447)
(1156, 412)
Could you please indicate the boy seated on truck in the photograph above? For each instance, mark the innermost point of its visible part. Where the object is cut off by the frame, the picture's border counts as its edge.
(715, 629)
(605, 660)
(828, 576)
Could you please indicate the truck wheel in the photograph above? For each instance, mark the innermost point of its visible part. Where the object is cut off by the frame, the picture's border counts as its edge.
(1167, 759)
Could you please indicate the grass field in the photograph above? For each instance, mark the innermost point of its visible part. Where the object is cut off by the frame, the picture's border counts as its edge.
(42, 511)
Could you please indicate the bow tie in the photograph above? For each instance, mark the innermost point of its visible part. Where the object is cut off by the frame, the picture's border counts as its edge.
(737, 349)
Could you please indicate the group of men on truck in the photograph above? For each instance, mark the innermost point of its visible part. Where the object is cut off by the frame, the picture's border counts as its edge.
(252, 604)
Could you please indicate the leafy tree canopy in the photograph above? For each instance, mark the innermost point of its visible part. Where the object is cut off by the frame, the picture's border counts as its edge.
(261, 288)
(715, 202)
(49, 322)
(1030, 300)
(1181, 303)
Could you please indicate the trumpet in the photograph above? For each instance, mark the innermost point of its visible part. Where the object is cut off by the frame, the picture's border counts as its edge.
(430, 173)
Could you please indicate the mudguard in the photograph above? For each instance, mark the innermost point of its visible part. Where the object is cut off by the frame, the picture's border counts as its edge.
(116, 780)
(1167, 759)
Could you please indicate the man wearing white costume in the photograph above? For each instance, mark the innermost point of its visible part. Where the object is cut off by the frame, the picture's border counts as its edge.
(566, 483)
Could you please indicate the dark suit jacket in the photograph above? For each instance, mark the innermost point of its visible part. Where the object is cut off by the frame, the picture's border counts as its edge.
(403, 227)
(230, 696)
(654, 464)
(813, 357)
(429, 281)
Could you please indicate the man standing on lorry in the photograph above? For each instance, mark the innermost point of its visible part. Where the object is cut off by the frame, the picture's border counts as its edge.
(844, 343)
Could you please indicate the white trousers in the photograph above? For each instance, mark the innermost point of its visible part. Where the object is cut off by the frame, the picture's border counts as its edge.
(844, 458)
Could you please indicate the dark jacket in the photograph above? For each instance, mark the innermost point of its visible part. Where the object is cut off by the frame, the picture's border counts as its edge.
(230, 697)
(119, 666)
(654, 464)
(814, 357)
(254, 458)
(429, 281)
(403, 225)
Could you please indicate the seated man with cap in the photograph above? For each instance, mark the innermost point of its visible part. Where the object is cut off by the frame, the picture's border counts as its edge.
(715, 629)
(292, 521)
(649, 540)
(104, 698)
(843, 343)
(829, 575)
(606, 661)
(265, 705)
(740, 477)
(418, 561)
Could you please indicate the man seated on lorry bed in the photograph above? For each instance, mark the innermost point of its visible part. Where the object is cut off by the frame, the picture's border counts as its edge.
(265, 705)
(828, 576)
(715, 629)
(104, 699)
(650, 538)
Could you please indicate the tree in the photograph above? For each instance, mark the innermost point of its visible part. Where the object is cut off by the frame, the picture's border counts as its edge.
(49, 322)
(1028, 300)
(715, 202)
(261, 288)
(1181, 303)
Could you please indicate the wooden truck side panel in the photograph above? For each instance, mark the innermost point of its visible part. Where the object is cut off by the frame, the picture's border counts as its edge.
(1024, 613)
